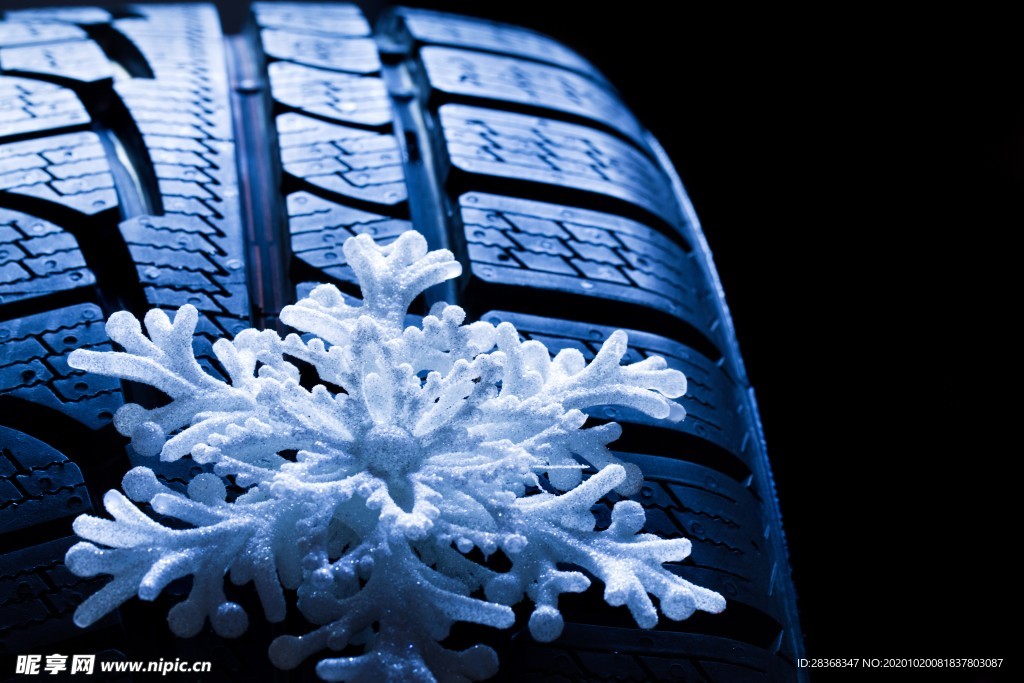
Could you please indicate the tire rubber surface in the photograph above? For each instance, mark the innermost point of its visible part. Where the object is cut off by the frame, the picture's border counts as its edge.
(147, 160)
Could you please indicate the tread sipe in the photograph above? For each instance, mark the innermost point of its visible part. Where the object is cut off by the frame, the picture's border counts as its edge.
(147, 160)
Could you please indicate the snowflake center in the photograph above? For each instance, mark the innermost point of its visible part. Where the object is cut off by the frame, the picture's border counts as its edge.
(388, 451)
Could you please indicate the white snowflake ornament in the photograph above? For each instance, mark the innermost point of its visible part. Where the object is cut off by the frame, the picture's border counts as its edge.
(442, 438)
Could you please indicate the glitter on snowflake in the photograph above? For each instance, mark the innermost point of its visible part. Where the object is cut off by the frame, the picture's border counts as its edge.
(442, 439)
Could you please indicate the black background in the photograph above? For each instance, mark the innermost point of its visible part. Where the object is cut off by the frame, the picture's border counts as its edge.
(852, 172)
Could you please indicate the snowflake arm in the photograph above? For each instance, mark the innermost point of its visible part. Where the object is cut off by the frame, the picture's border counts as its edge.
(628, 563)
(164, 361)
(144, 556)
(390, 278)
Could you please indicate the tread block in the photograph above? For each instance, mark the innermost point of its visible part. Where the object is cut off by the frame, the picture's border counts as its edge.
(38, 597)
(80, 60)
(33, 363)
(71, 15)
(427, 26)
(355, 55)
(175, 110)
(194, 253)
(20, 33)
(537, 244)
(506, 145)
(333, 95)
(40, 482)
(338, 19)
(183, 47)
(180, 260)
(38, 258)
(475, 74)
(712, 401)
(346, 161)
(70, 170)
(319, 228)
(598, 653)
(28, 106)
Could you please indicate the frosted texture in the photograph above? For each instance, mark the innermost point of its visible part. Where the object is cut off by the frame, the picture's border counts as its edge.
(447, 438)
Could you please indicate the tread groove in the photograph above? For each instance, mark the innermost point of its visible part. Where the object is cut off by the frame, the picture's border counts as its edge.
(427, 202)
(264, 223)
(119, 49)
